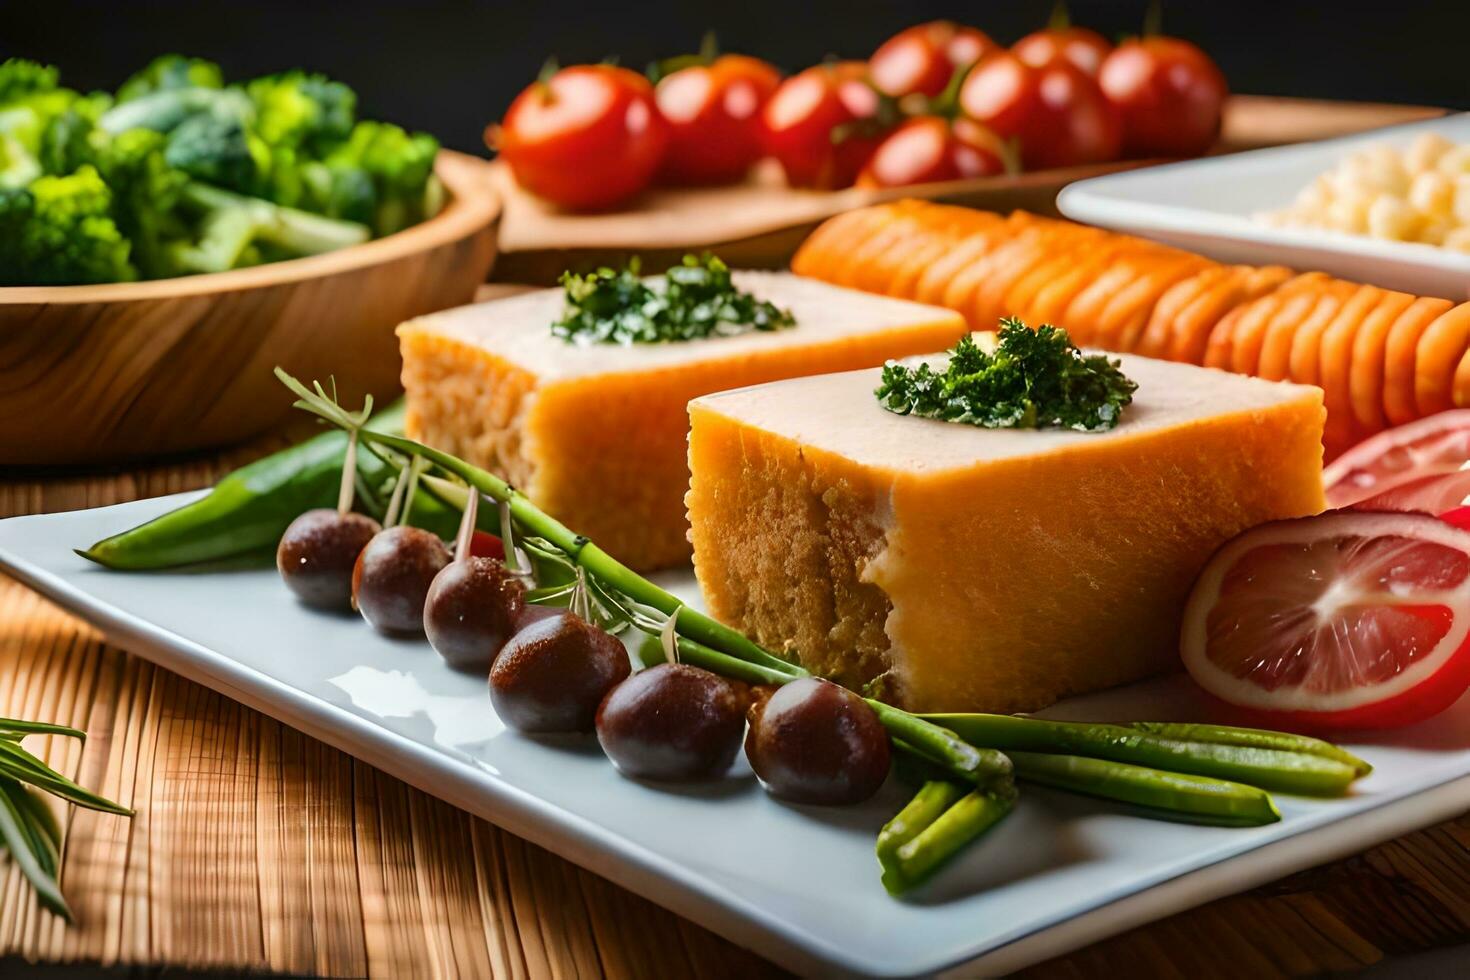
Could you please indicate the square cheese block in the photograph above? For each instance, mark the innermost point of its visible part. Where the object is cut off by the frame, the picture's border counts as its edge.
(597, 434)
(959, 568)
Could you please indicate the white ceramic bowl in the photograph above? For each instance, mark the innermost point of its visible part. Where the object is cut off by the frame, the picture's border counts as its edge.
(1206, 206)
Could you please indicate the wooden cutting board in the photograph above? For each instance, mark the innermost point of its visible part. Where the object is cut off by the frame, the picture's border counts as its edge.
(759, 223)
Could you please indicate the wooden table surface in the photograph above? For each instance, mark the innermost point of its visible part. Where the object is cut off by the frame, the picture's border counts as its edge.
(255, 847)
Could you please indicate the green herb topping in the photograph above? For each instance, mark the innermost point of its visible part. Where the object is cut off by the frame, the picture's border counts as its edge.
(1034, 379)
(697, 299)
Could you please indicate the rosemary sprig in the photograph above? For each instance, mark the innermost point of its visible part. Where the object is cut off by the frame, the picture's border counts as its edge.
(28, 828)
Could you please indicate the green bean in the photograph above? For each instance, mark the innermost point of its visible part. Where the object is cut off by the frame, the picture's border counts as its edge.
(932, 799)
(1168, 794)
(248, 510)
(1259, 738)
(918, 858)
(1276, 769)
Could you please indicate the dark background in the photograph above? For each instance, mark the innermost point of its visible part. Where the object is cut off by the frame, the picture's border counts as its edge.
(451, 67)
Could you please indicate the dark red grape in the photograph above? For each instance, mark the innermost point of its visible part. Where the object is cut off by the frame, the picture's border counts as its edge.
(672, 722)
(472, 608)
(317, 554)
(813, 741)
(392, 577)
(552, 675)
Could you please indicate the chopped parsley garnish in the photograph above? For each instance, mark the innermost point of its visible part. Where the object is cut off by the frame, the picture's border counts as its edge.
(1034, 379)
(697, 299)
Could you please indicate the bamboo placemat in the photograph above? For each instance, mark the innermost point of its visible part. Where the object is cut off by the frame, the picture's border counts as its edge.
(257, 848)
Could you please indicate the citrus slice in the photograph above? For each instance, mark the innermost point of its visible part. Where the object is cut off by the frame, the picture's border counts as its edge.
(1435, 494)
(1346, 620)
(1432, 446)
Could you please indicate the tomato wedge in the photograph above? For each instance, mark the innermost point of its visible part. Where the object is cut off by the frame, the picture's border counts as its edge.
(1347, 620)
(1431, 446)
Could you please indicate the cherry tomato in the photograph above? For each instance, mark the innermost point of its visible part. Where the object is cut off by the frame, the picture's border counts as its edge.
(713, 112)
(1081, 47)
(589, 137)
(1170, 96)
(1057, 113)
(486, 545)
(924, 57)
(823, 124)
(928, 148)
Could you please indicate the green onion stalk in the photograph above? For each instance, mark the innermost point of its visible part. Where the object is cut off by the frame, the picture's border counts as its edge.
(965, 762)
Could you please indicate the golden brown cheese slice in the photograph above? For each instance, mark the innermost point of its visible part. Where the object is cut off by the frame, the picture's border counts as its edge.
(979, 569)
(597, 434)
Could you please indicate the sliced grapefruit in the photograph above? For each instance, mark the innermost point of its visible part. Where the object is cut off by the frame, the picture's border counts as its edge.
(1434, 494)
(1346, 620)
(1435, 445)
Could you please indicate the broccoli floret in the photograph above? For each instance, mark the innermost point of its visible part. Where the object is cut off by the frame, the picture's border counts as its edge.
(71, 137)
(145, 197)
(19, 77)
(164, 110)
(398, 164)
(18, 166)
(168, 72)
(232, 225)
(220, 151)
(59, 231)
(297, 109)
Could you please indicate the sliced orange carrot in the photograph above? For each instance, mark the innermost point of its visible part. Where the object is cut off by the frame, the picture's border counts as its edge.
(1298, 296)
(864, 267)
(1155, 339)
(1275, 359)
(829, 243)
(938, 239)
(934, 280)
(1437, 359)
(1365, 375)
(1190, 333)
(1051, 302)
(1461, 392)
(1306, 346)
(1084, 314)
(1219, 352)
(1197, 323)
(1399, 355)
(1126, 315)
(1065, 254)
(1334, 367)
(990, 298)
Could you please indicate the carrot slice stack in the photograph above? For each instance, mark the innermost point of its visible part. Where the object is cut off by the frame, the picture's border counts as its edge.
(1154, 341)
(1437, 360)
(1365, 376)
(1296, 301)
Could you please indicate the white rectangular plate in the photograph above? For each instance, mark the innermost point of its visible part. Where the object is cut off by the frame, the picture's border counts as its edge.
(1207, 205)
(797, 884)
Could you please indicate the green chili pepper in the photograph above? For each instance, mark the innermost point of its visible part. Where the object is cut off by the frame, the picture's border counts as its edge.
(246, 513)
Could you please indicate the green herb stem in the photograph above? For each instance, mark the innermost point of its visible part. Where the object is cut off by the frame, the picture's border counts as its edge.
(1256, 738)
(953, 830)
(1279, 767)
(932, 799)
(1170, 795)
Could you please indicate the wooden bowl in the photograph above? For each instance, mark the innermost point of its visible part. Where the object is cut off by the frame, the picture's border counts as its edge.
(93, 374)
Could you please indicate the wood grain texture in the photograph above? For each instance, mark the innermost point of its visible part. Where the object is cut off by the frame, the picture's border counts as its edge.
(98, 373)
(257, 848)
